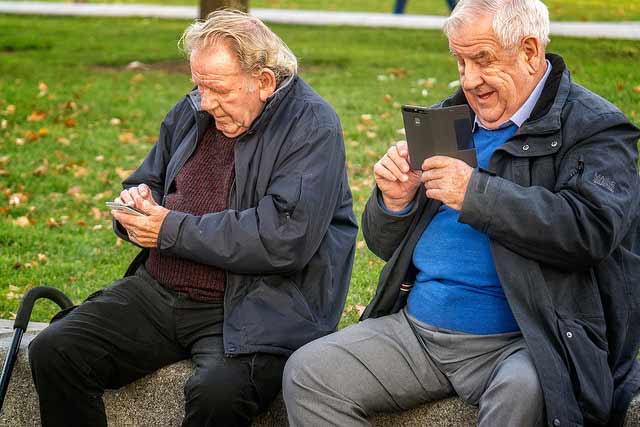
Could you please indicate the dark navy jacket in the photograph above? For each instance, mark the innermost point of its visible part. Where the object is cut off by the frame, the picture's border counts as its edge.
(287, 240)
(560, 203)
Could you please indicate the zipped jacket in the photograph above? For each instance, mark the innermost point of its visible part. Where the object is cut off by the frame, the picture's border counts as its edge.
(287, 240)
(560, 204)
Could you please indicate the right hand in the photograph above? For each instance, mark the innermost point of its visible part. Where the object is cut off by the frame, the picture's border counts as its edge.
(395, 179)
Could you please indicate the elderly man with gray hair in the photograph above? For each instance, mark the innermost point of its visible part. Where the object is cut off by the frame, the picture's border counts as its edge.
(514, 285)
(248, 237)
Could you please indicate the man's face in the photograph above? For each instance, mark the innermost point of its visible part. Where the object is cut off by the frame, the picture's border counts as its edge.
(229, 94)
(496, 82)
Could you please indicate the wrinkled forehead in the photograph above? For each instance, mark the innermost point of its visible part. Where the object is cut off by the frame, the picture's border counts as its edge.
(216, 60)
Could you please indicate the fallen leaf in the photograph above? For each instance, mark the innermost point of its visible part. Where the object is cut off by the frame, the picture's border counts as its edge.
(31, 136)
(10, 109)
(371, 135)
(123, 173)
(63, 141)
(36, 116)
(96, 213)
(4, 172)
(4, 124)
(388, 98)
(43, 88)
(80, 172)
(636, 89)
(99, 158)
(361, 244)
(453, 84)
(360, 308)
(127, 138)
(137, 78)
(43, 258)
(115, 121)
(398, 72)
(20, 141)
(4, 160)
(22, 221)
(74, 190)
(43, 132)
(16, 199)
(52, 223)
(70, 105)
(70, 122)
(42, 169)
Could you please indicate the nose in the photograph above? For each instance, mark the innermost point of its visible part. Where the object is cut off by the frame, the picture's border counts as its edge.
(471, 78)
(208, 102)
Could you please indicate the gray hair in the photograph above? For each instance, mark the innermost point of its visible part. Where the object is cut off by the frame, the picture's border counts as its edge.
(256, 46)
(513, 20)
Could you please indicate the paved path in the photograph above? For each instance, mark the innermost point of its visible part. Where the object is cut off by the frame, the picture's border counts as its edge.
(620, 30)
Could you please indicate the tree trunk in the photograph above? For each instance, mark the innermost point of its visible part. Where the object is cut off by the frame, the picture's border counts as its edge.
(208, 6)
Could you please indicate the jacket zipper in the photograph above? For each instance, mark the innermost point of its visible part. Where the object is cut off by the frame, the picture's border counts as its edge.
(226, 274)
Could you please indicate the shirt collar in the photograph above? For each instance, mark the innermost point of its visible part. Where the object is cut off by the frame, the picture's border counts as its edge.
(524, 112)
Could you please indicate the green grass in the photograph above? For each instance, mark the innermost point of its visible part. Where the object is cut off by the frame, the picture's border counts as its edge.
(82, 63)
(560, 10)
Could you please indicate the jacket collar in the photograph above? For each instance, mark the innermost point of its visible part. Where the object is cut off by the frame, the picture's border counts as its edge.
(546, 115)
(204, 119)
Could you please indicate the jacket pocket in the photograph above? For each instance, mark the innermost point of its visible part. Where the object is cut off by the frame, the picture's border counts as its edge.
(586, 359)
(275, 312)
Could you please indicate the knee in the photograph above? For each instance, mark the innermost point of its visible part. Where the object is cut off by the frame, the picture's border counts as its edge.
(302, 370)
(44, 349)
(521, 385)
(206, 393)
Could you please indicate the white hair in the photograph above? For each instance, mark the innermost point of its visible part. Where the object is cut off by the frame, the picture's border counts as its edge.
(256, 46)
(513, 20)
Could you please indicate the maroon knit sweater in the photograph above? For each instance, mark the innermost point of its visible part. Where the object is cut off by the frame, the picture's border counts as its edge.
(202, 186)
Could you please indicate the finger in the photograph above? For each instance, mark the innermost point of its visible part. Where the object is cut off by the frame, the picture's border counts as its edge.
(145, 192)
(381, 172)
(403, 149)
(400, 161)
(432, 174)
(435, 184)
(436, 194)
(135, 195)
(436, 162)
(126, 198)
(392, 167)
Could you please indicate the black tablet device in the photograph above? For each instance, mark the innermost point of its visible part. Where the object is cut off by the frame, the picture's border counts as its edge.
(439, 131)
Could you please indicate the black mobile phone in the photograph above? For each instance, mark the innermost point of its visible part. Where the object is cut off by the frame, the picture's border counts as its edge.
(442, 131)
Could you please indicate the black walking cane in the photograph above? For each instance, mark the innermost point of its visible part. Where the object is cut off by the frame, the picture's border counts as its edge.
(20, 325)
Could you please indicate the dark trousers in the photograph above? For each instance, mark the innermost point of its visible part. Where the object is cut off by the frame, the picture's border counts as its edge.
(133, 328)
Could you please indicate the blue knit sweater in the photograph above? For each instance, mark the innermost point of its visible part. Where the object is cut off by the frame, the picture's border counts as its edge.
(457, 286)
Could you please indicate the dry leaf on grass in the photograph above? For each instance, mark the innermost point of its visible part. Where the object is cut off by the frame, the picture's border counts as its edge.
(36, 116)
(22, 221)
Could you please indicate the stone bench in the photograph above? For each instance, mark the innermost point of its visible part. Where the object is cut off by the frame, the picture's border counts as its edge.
(157, 399)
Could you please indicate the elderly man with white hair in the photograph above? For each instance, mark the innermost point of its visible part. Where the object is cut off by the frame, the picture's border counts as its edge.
(514, 285)
(248, 240)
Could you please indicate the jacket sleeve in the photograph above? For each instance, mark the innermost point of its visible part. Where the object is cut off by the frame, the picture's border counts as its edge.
(383, 231)
(285, 229)
(153, 168)
(586, 216)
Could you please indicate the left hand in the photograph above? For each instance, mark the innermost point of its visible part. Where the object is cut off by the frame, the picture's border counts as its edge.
(143, 230)
(446, 179)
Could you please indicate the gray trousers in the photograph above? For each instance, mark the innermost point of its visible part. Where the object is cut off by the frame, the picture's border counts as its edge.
(394, 363)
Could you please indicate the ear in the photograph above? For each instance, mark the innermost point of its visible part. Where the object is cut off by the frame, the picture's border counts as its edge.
(266, 84)
(533, 53)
